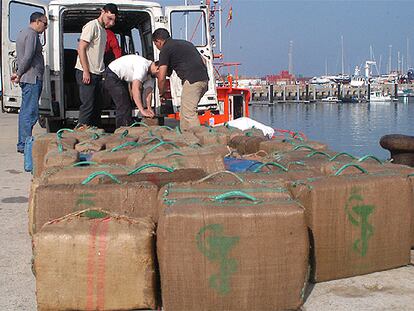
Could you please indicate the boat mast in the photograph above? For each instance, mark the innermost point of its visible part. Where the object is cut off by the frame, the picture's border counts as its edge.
(186, 21)
(342, 50)
(408, 54)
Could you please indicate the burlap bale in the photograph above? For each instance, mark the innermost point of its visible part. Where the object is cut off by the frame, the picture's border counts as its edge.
(95, 264)
(39, 150)
(275, 145)
(117, 157)
(228, 130)
(359, 224)
(84, 133)
(317, 145)
(252, 144)
(77, 174)
(206, 188)
(151, 121)
(66, 143)
(296, 158)
(207, 160)
(91, 145)
(163, 153)
(253, 132)
(232, 255)
(70, 175)
(116, 141)
(60, 159)
(131, 199)
(211, 137)
(285, 178)
(139, 131)
(160, 179)
(411, 179)
(235, 141)
(355, 167)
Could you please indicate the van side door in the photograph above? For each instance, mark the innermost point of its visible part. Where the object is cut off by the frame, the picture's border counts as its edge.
(15, 17)
(191, 23)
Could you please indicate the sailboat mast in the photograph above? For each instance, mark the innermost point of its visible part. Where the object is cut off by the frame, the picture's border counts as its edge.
(342, 50)
(186, 21)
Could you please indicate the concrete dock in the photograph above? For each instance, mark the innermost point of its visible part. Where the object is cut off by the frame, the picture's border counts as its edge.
(383, 291)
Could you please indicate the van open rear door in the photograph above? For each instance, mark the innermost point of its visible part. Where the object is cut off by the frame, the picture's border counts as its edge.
(191, 23)
(15, 17)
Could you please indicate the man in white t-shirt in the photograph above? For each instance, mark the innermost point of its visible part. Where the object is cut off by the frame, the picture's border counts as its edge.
(90, 64)
(138, 71)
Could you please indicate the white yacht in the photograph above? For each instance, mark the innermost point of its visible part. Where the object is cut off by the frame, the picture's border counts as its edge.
(331, 99)
(377, 96)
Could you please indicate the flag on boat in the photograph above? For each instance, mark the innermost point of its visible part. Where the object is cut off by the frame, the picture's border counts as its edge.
(229, 16)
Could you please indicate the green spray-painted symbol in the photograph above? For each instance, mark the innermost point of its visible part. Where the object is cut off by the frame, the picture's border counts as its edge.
(85, 199)
(216, 247)
(362, 211)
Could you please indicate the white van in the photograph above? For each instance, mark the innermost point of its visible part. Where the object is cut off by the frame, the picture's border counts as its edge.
(137, 20)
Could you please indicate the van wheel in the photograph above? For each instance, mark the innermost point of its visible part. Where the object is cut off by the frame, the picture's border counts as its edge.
(52, 126)
(42, 121)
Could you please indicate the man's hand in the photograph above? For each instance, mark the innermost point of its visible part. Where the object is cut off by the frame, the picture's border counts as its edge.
(86, 77)
(149, 113)
(15, 78)
(162, 98)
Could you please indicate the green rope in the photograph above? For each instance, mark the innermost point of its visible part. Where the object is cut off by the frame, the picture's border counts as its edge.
(368, 156)
(124, 134)
(160, 144)
(342, 154)
(100, 173)
(138, 123)
(313, 153)
(350, 165)
(175, 154)
(124, 145)
(81, 163)
(234, 194)
(145, 166)
(304, 147)
(259, 168)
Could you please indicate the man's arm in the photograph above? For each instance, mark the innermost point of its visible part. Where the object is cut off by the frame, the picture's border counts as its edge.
(162, 79)
(148, 96)
(82, 47)
(137, 97)
(26, 60)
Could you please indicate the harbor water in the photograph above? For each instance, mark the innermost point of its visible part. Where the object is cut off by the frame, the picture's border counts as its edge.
(355, 128)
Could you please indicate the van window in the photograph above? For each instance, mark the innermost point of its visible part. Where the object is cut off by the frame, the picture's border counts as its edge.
(189, 26)
(136, 38)
(19, 18)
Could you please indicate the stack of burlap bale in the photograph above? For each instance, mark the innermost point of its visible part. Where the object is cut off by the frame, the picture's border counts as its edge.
(149, 217)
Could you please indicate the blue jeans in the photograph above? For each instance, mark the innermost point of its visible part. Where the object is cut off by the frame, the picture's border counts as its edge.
(29, 110)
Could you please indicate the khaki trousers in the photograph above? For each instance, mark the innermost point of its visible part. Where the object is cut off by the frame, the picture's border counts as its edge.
(190, 97)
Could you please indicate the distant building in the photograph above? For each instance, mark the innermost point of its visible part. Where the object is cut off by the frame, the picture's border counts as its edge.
(283, 78)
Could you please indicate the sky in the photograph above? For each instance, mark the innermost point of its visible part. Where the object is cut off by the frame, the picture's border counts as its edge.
(260, 30)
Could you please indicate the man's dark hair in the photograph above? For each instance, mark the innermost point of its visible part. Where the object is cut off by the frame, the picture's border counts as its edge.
(36, 16)
(160, 34)
(110, 7)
